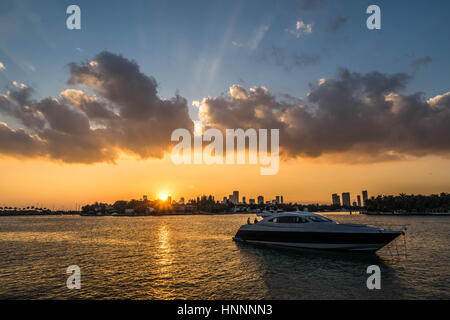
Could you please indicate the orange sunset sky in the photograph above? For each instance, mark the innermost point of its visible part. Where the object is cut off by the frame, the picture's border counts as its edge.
(31, 182)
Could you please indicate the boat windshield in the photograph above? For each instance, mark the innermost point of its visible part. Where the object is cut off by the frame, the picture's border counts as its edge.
(319, 219)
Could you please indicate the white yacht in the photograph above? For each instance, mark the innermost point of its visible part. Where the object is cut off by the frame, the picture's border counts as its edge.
(312, 231)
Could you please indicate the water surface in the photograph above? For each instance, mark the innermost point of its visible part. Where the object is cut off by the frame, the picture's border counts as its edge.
(193, 257)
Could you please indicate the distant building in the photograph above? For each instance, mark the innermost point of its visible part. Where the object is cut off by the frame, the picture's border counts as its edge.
(277, 199)
(336, 199)
(169, 199)
(251, 201)
(346, 199)
(144, 197)
(243, 200)
(260, 200)
(282, 200)
(181, 200)
(364, 197)
(359, 200)
(235, 197)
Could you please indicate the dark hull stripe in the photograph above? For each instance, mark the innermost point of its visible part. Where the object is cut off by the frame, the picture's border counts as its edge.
(317, 237)
(321, 247)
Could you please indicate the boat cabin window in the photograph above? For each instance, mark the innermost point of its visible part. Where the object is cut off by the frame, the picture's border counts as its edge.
(289, 219)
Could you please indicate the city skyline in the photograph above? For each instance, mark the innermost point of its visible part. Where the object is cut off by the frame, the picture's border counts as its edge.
(355, 199)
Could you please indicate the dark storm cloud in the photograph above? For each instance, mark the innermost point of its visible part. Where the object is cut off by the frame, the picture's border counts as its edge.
(127, 115)
(361, 115)
(353, 117)
(18, 143)
(15, 105)
(95, 109)
(120, 81)
(60, 117)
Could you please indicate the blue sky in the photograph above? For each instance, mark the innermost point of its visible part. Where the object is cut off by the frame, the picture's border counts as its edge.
(201, 48)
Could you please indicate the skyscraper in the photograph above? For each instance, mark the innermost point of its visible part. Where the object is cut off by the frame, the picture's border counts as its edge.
(336, 199)
(282, 200)
(235, 197)
(243, 200)
(346, 199)
(364, 196)
(359, 200)
(260, 200)
(277, 199)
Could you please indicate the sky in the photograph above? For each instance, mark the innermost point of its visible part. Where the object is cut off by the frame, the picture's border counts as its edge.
(86, 115)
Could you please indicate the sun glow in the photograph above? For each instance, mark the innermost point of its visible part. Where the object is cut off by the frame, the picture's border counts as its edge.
(163, 196)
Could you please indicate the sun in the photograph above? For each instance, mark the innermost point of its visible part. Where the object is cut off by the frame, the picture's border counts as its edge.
(163, 196)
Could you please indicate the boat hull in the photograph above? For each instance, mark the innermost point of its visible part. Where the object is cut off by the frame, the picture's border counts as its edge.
(340, 241)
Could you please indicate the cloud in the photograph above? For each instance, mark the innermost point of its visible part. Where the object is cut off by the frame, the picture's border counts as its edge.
(2, 66)
(311, 5)
(304, 59)
(301, 29)
(258, 36)
(18, 142)
(237, 44)
(288, 60)
(440, 101)
(420, 62)
(126, 115)
(91, 106)
(19, 85)
(357, 117)
(337, 23)
(115, 109)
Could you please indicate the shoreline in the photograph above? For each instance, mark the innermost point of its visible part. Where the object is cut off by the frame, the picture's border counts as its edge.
(72, 213)
(429, 214)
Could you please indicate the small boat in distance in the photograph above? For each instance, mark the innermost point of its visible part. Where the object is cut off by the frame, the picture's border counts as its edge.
(312, 231)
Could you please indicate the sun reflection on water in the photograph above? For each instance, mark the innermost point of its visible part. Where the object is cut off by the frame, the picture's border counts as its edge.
(164, 250)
